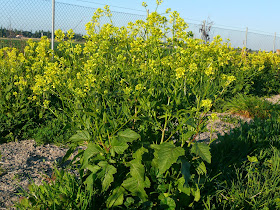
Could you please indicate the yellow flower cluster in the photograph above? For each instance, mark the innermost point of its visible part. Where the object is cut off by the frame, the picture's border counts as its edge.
(206, 103)
(138, 56)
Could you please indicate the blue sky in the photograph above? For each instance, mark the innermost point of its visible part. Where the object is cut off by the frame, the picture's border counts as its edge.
(257, 15)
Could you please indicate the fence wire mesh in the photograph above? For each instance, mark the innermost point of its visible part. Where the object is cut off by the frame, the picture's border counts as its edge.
(33, 18)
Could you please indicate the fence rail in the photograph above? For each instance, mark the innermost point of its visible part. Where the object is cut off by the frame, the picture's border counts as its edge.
(35, 16)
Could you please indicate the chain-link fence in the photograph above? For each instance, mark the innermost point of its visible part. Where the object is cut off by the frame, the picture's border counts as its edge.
(33, 18)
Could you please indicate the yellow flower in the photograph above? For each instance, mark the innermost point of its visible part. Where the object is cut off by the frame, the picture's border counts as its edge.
(209, 71)
(193, 67)
(180, 72)
(144, 4)
(206, 103)
(167, 10)
(46, 103)
(214, 116)
(228, 79)
(127, 90)
(139, 87)
(70, 34)
(159, 2)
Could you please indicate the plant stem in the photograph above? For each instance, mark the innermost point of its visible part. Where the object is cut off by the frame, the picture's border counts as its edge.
(163, 130)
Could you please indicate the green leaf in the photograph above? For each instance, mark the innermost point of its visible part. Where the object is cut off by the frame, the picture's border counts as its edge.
(165, 155)
(136, 188)
(182, 187)
(202, 150)
(253, 159)
(80, 136)
(118, 146)
(106, 174)
(116, 198)
(137, 183)
(138, 154)
(196, 193)
(94, 169)
(137, 170)
(147, 182)
(168, 203)
(129, 201)
(128, 135)
(89, 183)
(201, 168)
(67, 155)
(92, 150)
(185, 170)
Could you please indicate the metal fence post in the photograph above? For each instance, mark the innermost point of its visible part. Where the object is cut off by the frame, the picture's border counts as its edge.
(274, 42)
(246, 37)
(53, 22)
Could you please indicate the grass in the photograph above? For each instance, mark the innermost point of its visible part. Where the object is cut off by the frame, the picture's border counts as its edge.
(16, 43)
(247, 166)
(230, 119)
(20, 44)
(251, 107)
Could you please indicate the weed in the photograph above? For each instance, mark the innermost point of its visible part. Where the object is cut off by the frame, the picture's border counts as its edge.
(251, 107)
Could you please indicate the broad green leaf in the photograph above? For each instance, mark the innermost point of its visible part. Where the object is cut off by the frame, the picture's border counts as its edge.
(106, 174)
(147, 182)
(165, 155)
(94, 169)
(133, 186)
(116, 198)
(202, 150)
(196, 193)
(89, 183)
(182, 187)
(92, 150)
(138, 154)
(201, 168)
(128, 135)
(80, 136)
(128, 201)
(163, 187)
(137, 182)
(118, 146)
(188, 135)
(185, 170)
(137, 170)
(168, 203)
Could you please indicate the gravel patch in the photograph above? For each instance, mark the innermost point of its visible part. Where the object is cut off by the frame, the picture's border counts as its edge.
(274, 99)
(224, 124)
(22, 161)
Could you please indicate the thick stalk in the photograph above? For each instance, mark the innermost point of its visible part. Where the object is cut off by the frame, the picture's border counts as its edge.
(163, 131)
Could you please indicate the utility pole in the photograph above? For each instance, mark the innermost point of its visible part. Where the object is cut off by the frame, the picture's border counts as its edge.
(53, 22)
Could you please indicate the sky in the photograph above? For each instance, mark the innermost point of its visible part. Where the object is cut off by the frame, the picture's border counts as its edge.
(258, 15)
(230, 18)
